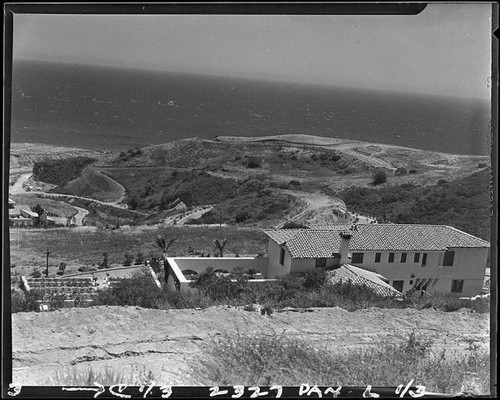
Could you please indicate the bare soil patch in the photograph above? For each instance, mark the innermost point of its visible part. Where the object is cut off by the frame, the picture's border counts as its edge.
(171, 342)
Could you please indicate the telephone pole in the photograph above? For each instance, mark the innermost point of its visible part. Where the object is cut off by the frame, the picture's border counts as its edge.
(47, 268)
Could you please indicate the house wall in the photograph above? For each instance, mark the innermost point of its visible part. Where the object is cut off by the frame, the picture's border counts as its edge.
(200, 264)
(274, 267)
(302, 264)
(469, 265)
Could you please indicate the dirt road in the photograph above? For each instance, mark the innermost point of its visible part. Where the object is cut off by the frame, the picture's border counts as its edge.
(170, 342)
(18, 188)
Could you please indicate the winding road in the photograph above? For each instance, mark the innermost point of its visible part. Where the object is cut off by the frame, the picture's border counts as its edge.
(18, 188)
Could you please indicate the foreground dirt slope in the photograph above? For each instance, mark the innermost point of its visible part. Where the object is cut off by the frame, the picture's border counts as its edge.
(168, 342)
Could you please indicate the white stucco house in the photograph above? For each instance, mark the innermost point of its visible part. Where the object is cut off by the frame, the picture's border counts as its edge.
(435, 258)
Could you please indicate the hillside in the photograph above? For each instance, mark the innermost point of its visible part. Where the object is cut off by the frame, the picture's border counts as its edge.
(263, 181)
(463, 203)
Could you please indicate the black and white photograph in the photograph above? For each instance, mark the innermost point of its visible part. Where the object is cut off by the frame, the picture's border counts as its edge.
(247, 201)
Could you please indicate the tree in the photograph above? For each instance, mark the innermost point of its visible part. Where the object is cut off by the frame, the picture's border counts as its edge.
(104, 263)
(128, 259)
(139, 259)
(220, 246)
(379, 176)
(164, 246)
(39, 210)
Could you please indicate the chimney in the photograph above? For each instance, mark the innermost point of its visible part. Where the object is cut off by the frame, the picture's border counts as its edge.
(345, 238)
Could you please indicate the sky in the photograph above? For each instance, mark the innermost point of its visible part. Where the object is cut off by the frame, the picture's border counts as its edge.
(444, 50)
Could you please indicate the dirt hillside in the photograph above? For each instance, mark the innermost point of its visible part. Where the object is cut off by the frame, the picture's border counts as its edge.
(170, 342)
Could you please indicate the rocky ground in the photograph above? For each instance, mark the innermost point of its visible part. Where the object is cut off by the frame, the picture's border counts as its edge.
(169, 343)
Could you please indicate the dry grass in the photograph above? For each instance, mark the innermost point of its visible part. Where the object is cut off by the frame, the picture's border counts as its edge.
(270, 360)
(84, 246)
(106, 377)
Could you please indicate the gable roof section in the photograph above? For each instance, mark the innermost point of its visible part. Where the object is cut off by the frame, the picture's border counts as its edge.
(321, 243)
(358, 276)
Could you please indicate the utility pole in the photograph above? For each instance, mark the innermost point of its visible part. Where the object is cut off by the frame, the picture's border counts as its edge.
(47, 268)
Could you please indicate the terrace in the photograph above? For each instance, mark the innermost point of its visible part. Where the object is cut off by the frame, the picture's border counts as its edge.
(70, 292)
(185, 269)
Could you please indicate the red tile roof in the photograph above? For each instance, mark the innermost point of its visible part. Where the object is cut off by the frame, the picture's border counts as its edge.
(321, 243)
(358, 276)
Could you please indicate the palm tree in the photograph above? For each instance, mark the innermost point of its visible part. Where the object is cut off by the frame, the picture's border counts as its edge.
(164, 246)
(220, 246)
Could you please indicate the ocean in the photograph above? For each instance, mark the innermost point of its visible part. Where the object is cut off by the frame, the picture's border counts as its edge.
(97, 107)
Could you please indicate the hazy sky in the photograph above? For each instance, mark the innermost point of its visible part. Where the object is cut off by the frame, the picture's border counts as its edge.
(444, 50)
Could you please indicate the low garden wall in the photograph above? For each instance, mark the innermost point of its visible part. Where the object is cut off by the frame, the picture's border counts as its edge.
(200, 264)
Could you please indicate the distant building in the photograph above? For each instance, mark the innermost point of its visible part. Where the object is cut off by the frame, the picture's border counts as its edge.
(28, 214)
(16, 219)
(21, 222)
(434, 258)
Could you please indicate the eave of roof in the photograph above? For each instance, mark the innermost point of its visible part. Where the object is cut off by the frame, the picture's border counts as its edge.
(315, 243)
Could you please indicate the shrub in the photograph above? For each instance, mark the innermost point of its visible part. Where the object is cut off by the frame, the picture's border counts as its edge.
(254, 162)
(23, 301)
(140, 290)
(155, 264)
(314, 279)
(36, 274)
(219, 287)
(412, 171)
(139, 259)
(129, 258)
(294, 225)
(242, 216)
(379, 176)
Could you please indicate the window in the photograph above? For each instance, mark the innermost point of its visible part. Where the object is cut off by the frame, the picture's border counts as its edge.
(416, 258)
(282, 256)
(398, 285)
(391, 257)
(320, 263)
(357, 258)
(377, 257)
(424, 259)
(457, 286)
(449, 255)
(403, 257)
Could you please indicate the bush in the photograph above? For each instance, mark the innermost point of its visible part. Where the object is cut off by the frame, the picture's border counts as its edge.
(294, 225)
(219, 287)
(314, 279)
(129, 258)
(140, 290)
(242, 216)
(36, 274)
(379, 176)
(254, 162)
(23, 302)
